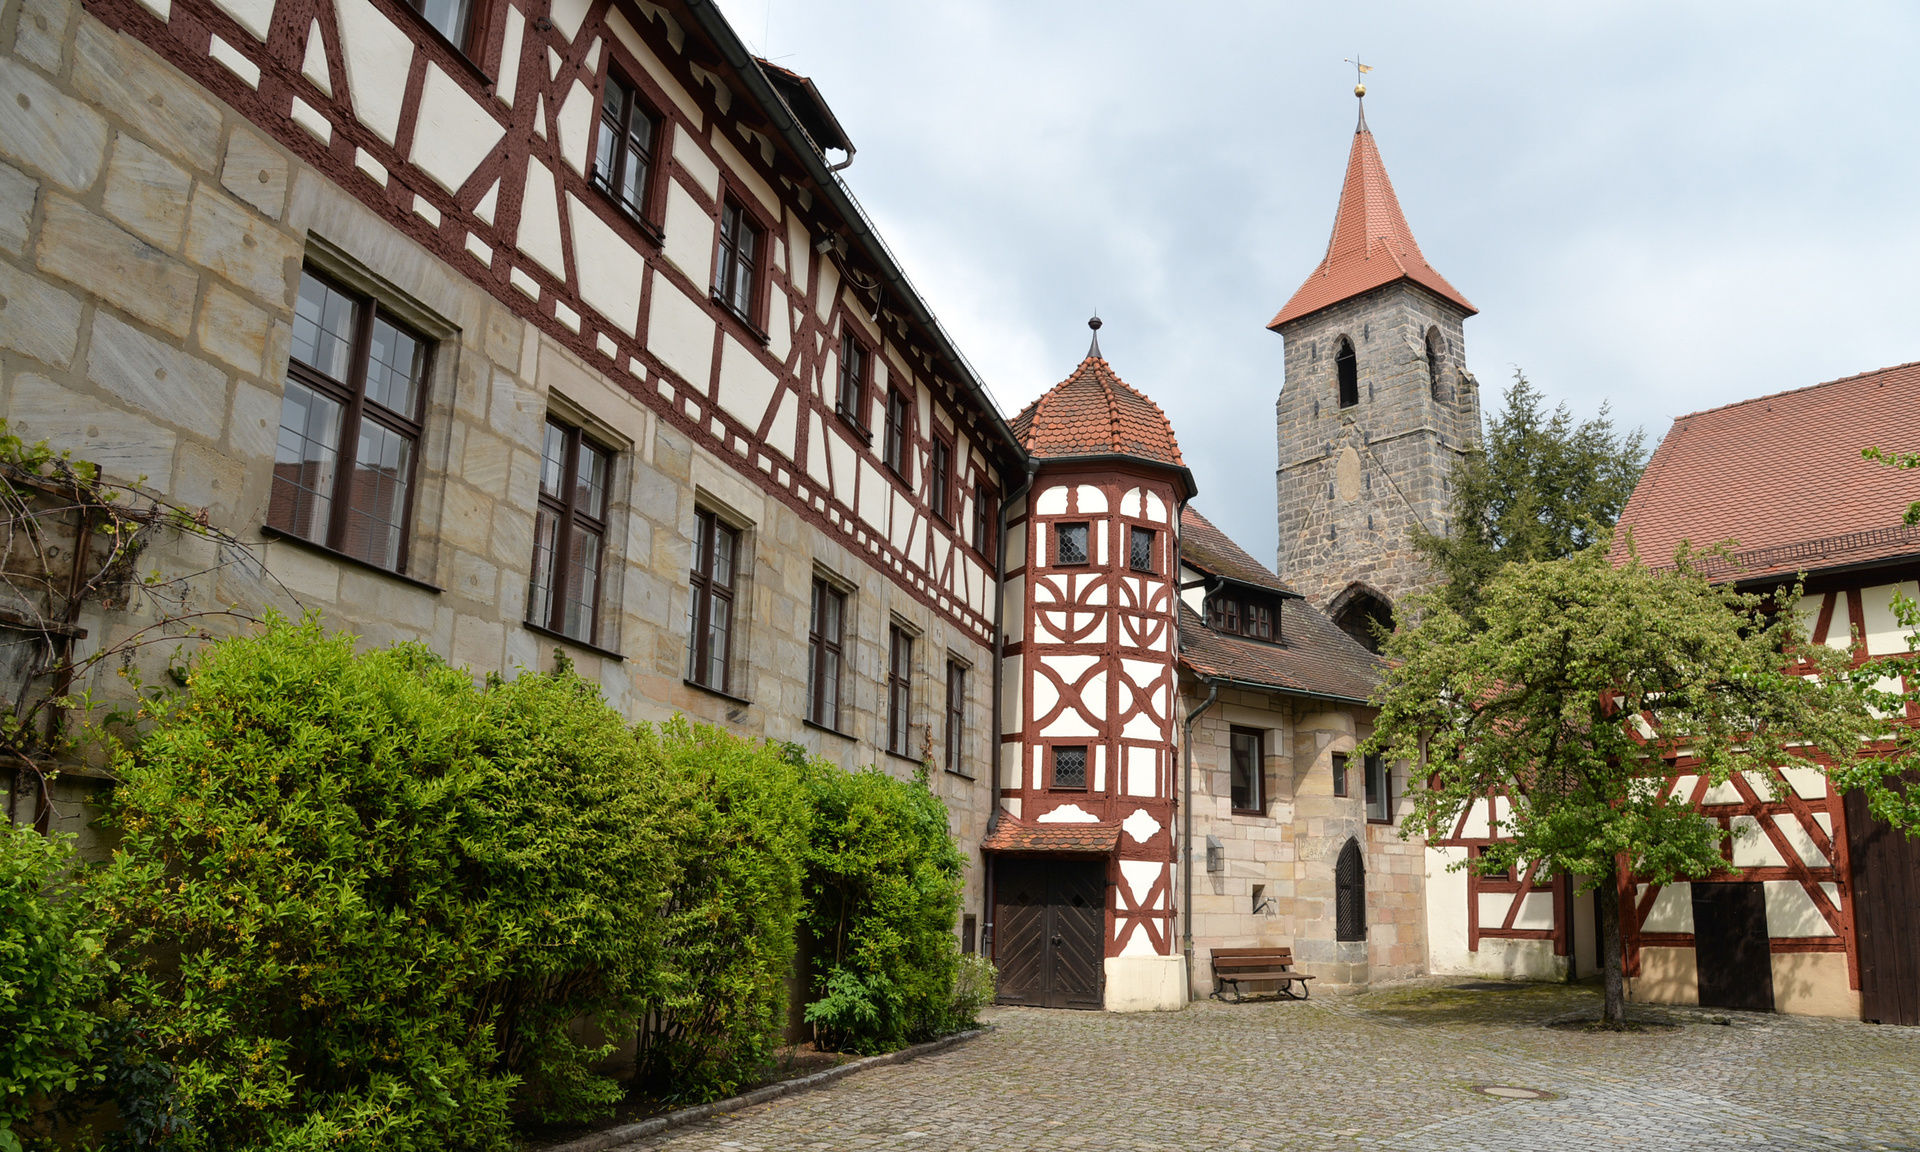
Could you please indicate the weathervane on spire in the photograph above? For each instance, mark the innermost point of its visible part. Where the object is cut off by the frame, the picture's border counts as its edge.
(1359, 73)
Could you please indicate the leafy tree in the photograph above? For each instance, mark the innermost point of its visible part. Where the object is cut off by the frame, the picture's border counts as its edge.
(1541, 486)
(1557, 694)
(1902, 460)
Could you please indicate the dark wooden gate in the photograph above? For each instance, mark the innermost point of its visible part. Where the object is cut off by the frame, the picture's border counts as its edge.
(1730, 946)
(1050, 919)
(1886, 915)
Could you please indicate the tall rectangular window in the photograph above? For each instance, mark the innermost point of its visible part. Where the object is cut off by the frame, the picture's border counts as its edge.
(899, 434)
(1070, 543)
(825, 634)
(956, 717)
(1339, 773)
(899, 691)
(1246, 770)
(737, 260)
(569, 534)
(1140, 549)
(356, 388)
(710, 611)
(942, 479)
(623, 164)
(854, 366)
(1379, 803)
(1069, 767)
(986, 521)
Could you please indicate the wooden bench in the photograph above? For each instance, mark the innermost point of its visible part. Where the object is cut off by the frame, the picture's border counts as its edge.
(1236, 966)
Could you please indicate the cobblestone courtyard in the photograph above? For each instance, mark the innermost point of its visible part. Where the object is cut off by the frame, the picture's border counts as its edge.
(1392, 1069)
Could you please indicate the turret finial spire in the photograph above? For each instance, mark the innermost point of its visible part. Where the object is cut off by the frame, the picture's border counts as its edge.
(1360, 89)
(1093, 350)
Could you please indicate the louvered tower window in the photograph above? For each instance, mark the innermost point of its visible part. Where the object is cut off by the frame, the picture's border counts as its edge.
(1350, 894)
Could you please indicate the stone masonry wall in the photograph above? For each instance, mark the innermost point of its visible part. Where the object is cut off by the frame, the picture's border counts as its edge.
(151, 243)
(1351, 482)
(1291, 850)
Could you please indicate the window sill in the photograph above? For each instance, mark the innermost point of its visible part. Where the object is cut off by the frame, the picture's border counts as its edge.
(272, 533)
(1260, 813)
(724, 695)
(806, 723)
(850, 420)
(903, 756)
(733, 314)
(550, 634)
(1373, 820)
(653, 233)
(960, 774)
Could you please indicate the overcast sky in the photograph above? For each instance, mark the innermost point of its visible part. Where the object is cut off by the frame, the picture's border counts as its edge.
(1665, 206)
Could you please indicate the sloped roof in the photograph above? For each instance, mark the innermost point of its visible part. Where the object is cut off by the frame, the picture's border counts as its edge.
(1207, 548)
(1371, 246)
(1782, 477)
(1317, 656)
(1013, 835)
(1095, 413)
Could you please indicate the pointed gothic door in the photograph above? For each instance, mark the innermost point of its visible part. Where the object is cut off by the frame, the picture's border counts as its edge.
(1050, 918)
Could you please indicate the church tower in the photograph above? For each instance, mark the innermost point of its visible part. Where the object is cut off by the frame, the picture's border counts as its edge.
(1376, 408)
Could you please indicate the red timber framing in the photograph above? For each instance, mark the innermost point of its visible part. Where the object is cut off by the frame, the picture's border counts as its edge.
(1517, 890)
(487, 163)
(1096, 655)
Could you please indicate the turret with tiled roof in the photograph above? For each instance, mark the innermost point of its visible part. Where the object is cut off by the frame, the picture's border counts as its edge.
(1094, 413)
(1371, 246)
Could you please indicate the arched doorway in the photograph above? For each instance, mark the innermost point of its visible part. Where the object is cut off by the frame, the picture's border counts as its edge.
(1364, 614)
(1350, 894)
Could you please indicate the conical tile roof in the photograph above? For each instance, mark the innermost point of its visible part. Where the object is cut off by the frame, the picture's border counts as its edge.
(1371, 246)
(1095, 413)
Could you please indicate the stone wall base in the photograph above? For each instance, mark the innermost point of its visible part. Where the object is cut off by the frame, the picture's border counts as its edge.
(1146, 983)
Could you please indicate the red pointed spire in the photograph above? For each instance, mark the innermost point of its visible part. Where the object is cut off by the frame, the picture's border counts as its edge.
(1371, 246)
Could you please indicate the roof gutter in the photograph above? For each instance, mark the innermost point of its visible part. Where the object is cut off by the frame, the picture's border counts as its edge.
(1180, 470)
(1301, 693)
(875, 249)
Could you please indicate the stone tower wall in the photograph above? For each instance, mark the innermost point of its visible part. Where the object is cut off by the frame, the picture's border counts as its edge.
(1352, 482)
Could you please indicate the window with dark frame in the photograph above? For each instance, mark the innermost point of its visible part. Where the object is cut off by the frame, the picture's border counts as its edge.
(453, 19)
(356, 388)
(1379, 800)
(624, 160)
(1346, 369)
(899, 691)
(569, 534)
(1140, 549)
(1339, 773)
(899, 434)
(941, 479)
(826, 633)
(716, 548)
(956, 718)
(736, 262)
(986, 522)
(1069, 767)
(1070, 543)
(854, 367)
(1246, 771)
(1242, 615)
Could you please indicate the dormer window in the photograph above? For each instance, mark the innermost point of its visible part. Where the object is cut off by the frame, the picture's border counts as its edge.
(1346, 370)
(1240, 613)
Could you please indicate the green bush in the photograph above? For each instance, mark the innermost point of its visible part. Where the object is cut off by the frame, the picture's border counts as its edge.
(739, 830)
(50, 972)
(974, 983)
(368, 898)
(883, 887)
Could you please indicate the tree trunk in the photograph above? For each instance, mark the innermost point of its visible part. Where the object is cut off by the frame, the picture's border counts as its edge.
(1606, 906)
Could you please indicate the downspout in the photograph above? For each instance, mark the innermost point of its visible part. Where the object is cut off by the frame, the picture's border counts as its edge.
(1186, 829)
(992, 773)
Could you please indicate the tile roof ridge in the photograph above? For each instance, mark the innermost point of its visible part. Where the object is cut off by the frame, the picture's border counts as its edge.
(1794, 391)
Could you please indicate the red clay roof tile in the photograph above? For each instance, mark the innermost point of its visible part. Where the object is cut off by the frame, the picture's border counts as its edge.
(1371, 246)
(1095, 413)
(1781, 477)
(1018, 836)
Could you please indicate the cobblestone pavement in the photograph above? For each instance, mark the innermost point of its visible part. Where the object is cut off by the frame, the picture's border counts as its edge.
(1388, 1070)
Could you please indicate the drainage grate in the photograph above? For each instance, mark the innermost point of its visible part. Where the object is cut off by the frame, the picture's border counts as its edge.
(1512, 1092)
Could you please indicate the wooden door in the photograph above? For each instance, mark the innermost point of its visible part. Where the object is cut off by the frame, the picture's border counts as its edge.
(1730, 946)
(1886, 915)
(1050, 920)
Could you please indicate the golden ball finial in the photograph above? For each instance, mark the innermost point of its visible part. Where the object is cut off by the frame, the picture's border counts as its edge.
(1359, 89)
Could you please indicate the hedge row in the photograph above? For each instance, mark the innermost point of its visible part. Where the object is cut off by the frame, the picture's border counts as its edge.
(360, 902)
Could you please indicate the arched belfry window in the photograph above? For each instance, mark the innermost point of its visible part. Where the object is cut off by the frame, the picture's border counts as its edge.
(1363, 614)
(1437, 365)
(1350, 894)
(1348, 373)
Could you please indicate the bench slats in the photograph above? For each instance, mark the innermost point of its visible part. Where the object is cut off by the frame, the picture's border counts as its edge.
(1235, 965)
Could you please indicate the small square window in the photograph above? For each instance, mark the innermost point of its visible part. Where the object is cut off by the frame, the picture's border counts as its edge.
(1140, 550)
(1070, 543)
(1070, 767)
(1339, 773)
